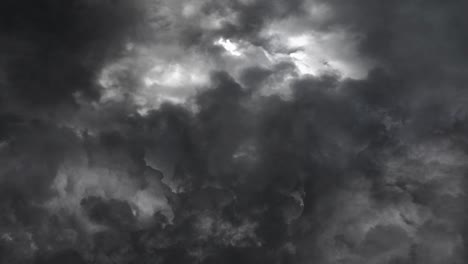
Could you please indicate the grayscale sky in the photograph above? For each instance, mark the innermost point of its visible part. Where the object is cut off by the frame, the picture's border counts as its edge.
(233, 131)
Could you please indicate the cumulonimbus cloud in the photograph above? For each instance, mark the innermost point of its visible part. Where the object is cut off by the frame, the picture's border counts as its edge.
(306, 131)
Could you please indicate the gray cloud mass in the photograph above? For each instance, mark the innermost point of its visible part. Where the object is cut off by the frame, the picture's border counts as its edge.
(243, 131)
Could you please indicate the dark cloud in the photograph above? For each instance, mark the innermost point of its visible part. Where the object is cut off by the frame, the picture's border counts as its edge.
(253, 15)
(113, 213)
(336, 170)
(54, 50)
(65, 256)
(255, 76)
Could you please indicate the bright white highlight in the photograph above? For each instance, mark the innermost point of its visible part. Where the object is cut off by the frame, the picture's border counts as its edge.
(173, 75)
(298, 41)
(231, 47)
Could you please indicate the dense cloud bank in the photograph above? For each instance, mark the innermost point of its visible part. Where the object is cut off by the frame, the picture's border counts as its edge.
(246, 131)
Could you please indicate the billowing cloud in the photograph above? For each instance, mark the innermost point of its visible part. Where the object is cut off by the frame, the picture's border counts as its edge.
(253, 131)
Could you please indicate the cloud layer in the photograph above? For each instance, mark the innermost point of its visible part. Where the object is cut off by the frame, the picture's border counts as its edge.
(253, 131)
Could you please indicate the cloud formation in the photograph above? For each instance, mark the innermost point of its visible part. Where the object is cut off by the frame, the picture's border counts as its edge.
(162, 131)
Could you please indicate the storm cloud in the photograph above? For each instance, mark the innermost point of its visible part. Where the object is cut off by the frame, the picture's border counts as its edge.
(246, 131)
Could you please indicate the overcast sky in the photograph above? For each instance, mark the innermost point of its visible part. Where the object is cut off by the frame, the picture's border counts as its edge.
(233, 131)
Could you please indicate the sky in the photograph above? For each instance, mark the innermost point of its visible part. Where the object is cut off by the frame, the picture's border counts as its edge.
(233, 131)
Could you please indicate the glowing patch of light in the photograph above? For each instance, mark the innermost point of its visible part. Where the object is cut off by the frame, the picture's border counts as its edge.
(167, 76)
(303, 63)
(229, 46)
(298, 41)
(173, 75)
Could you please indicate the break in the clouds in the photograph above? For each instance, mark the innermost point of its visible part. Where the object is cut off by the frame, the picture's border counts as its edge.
(233, 131)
